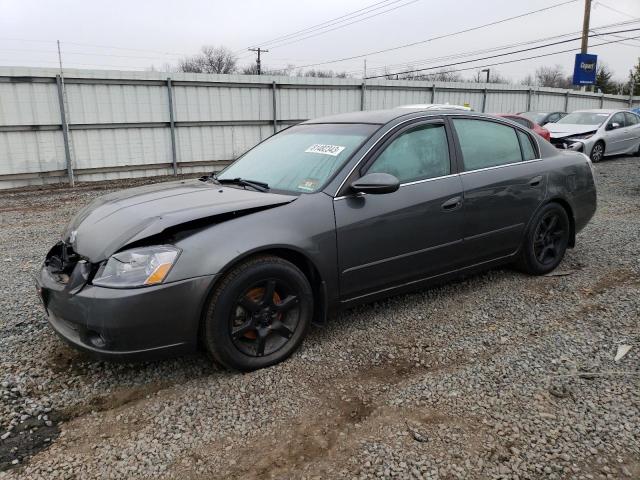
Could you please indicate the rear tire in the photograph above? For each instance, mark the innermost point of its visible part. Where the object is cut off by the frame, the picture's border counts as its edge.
(258, 315)
(597, 152)
(545, 241)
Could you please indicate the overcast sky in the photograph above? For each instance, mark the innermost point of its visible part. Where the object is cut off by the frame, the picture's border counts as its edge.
(157, 32)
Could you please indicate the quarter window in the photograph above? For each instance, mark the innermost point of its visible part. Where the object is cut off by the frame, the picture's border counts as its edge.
(528, 152)
(417, 154)
(486, 144)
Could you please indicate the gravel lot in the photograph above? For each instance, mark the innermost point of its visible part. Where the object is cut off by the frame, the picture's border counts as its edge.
(499, 375)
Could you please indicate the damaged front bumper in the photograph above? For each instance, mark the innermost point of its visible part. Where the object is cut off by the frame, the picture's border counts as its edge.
(132, 323)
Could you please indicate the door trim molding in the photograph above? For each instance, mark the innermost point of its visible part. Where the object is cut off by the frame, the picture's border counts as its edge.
(402, 255)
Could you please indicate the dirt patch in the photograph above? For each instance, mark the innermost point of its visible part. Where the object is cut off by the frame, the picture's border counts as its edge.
(66, 359)
(614, 278)
(28, 439)
(117, 399)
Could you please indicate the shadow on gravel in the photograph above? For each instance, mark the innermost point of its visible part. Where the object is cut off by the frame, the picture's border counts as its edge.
(29, 438)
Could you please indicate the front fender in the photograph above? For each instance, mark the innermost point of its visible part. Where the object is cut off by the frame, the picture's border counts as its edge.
(306, 226)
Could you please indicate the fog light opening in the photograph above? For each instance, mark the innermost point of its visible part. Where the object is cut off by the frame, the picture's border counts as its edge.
(96, 339)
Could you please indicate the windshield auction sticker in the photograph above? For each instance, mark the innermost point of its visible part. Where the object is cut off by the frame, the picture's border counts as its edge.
(333, 150)
(309, 184)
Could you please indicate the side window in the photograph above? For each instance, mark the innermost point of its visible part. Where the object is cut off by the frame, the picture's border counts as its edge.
(419, 153)
(486, 144)
(528, 152)
(631, 119)
(618, 118)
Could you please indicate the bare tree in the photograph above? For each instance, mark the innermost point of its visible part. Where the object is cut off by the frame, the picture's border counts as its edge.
(210, 60)
(552, 77)
(252, 69)
(322, 74)
(441, 76)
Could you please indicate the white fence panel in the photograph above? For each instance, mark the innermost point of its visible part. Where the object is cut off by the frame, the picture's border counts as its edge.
(121, 123)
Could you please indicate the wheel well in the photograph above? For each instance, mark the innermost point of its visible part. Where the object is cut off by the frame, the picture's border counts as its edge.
(572, 222)
(306, 266)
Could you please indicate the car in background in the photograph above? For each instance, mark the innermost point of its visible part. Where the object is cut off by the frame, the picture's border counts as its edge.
(635, 110)
(319, 217)
(437, 106)
(542, 118)
(525, 122)
(597, 132)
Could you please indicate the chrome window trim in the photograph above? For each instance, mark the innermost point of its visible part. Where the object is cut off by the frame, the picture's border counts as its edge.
(424, 180)
(522, 162)
(434, 114)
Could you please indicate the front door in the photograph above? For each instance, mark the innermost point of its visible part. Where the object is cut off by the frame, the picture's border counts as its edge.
(504, 183)
(390, 239)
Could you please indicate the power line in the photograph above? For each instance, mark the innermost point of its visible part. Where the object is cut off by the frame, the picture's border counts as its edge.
(475, 67)
(510, 53)
(331, 22)
(345, 25)
(616, 10)
(438, 37)
(491, 49)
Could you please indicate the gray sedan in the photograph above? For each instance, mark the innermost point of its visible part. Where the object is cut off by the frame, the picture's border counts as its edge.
(597, 133)
(322, 216)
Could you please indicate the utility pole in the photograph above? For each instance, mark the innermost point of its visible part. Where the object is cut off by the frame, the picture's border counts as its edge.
(258, 51)
(585, 30)
(364, 75)
(62, 98)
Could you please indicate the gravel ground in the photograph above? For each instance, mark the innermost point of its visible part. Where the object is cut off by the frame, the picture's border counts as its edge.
(499, 375)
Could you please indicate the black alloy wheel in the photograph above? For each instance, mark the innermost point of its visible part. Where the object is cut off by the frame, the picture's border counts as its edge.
(265, 318)
(258, 314)
(546, 240)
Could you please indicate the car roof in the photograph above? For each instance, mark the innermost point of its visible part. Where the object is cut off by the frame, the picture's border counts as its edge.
(382, 117)
(599, 110)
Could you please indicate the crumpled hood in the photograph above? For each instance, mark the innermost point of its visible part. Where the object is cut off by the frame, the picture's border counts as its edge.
(112, 221)
(561, 130)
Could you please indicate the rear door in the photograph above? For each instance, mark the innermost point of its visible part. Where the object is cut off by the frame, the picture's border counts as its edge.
(616, 139)
(414, 233)
(504, 182)
(633, 131)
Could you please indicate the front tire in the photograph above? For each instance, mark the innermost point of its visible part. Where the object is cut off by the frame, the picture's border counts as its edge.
(258, 315)
(546, 240)
(597, 152)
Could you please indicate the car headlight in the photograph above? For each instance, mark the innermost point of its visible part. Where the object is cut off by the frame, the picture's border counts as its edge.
(138, 267)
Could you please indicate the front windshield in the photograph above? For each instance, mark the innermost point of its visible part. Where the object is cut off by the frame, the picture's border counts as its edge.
(584, 118)
(302, 158)
(536, 117)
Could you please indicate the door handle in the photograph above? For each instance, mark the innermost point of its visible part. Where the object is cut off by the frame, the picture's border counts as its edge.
(535, 181)
(452, 203)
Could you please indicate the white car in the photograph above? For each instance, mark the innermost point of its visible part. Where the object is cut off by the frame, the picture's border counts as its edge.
(597, 133)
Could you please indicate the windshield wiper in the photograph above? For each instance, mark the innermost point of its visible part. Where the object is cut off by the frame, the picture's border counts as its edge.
(260, 186)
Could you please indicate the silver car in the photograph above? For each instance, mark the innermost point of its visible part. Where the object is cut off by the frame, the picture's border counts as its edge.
(597, 132)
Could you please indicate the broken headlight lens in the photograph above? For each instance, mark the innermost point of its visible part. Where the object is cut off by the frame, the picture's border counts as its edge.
(138, 267)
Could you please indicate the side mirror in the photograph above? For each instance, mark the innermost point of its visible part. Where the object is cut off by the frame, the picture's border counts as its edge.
(613, 126)
(376, 183)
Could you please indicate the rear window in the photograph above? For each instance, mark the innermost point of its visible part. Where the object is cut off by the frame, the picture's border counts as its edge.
(486, 144)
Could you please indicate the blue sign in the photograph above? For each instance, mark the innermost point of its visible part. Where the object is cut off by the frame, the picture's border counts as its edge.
(585, 69)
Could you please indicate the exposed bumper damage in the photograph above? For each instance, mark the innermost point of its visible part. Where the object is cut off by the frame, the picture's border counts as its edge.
(118, 323)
